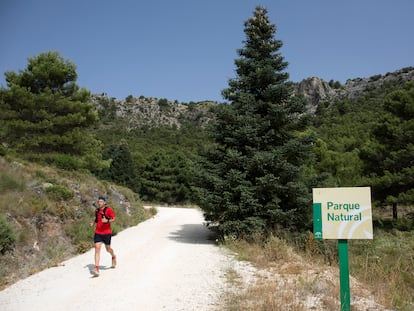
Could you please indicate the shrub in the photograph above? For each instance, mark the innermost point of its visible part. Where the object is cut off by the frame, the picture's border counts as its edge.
(334, 84)
(163, 103)
(403, 224)
(129, 99)
(67, 162)
(59, 193)
(3, 151)
(7, 235)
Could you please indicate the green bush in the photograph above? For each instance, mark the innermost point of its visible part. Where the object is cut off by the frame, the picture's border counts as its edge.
(67, 162)
(163, 103)
(403, 224)
(59, 193)
(3, 151)
(7, 235)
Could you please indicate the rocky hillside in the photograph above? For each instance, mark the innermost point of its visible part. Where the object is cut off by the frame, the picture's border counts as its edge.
(151, 111)
(45, 215)
(317, 90)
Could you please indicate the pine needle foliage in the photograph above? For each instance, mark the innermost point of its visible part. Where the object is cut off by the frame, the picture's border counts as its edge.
(251, 180)
(46, 117)
(389, 155)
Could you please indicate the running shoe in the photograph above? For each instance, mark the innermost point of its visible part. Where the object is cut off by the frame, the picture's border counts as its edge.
(95, 272)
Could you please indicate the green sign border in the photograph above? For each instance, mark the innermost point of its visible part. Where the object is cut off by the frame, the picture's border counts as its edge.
(317, 221)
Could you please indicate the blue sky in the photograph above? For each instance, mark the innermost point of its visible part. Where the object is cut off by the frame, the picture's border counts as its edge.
(185, 49)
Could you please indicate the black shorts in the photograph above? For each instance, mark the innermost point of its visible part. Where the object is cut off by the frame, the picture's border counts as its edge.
(105, 238)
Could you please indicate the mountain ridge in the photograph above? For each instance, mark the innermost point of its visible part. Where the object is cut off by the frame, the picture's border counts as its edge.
(153, 112)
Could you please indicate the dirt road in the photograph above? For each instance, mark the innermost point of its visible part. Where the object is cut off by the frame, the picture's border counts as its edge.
(166, 263)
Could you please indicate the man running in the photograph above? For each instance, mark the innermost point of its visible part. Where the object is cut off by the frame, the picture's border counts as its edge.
(104, 216)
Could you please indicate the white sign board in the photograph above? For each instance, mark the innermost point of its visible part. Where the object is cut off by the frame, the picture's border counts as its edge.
(342, 213)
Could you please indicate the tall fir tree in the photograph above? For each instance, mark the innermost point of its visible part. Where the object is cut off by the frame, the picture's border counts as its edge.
(46, 116)
(250, 181)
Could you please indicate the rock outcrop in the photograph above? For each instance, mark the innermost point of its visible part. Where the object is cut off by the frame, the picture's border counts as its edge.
(317, 90)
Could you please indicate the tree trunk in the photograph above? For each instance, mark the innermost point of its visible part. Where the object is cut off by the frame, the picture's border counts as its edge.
(394, 211)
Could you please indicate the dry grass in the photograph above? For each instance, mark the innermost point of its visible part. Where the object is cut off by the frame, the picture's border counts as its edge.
(273, 276)
(280, 279)
(386, 265)
(265, 296)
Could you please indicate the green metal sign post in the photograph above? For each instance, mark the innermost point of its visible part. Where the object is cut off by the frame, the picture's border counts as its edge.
(342, 213)
(344, 275)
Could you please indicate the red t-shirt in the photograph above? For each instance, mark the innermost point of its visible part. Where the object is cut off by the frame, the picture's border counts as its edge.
(104, 228)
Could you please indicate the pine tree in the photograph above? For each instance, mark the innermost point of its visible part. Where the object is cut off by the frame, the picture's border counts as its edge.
(389, 157)
(122, 169)
(165, 178)
(46, 116)
(251, 180)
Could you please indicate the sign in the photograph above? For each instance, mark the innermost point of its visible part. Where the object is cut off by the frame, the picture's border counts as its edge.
(342, 213)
